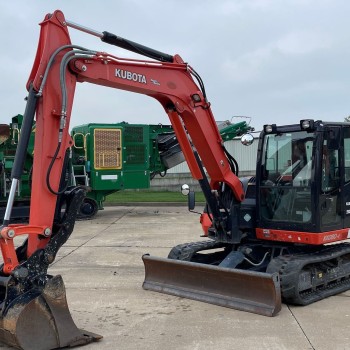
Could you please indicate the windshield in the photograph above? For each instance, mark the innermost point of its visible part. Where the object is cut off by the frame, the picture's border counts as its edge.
(285, 190)
(287, 158)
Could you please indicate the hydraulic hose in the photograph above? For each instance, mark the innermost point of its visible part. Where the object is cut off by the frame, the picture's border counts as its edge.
(84, 53)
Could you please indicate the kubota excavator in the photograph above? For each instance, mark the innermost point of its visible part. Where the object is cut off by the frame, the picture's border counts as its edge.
(259, 247)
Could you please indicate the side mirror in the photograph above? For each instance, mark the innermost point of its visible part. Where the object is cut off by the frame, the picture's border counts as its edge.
(247, 139)
(186, 191)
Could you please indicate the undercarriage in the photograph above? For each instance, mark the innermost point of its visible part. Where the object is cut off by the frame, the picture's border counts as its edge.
(306, 274)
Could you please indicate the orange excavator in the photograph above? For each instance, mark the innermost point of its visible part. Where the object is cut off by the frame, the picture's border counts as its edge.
(266, 237)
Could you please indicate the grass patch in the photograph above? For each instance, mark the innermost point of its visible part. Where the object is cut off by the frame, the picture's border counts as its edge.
(130, 196)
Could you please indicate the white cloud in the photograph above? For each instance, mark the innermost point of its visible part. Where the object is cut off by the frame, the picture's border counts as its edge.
(251, 65)
(239, 7)
(303, 42)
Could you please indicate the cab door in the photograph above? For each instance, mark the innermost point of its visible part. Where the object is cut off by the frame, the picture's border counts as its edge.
(331, 196)
(346, 177)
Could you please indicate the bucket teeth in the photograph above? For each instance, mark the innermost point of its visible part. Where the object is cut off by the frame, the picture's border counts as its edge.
(254, 292)
(40, 320)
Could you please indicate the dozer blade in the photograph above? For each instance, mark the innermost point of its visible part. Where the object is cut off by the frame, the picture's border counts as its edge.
(254, 292)
(40, 320)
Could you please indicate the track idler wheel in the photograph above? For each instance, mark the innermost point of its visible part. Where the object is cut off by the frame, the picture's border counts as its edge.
(40, 320)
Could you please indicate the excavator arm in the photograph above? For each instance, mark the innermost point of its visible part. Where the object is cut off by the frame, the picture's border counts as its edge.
(58, 67)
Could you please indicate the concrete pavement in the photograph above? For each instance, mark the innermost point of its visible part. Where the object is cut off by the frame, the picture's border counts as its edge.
(103, 272)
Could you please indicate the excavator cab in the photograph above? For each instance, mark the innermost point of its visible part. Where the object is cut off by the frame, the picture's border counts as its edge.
(303, 182)
(302, 200)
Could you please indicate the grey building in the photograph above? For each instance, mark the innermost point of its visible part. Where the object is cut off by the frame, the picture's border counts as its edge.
(180, 174)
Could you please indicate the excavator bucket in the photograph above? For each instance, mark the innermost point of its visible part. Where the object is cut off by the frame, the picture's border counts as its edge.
(254, 292)
(40, 320)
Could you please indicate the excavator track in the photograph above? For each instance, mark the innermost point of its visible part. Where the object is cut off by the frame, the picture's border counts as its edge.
(188, 251)
(304, 277)
(310, 277)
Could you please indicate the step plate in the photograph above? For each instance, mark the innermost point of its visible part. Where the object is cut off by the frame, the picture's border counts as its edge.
(249, 291)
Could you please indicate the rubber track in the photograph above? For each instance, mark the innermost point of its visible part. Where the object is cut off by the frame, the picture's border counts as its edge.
(290, 266)
(186, 251)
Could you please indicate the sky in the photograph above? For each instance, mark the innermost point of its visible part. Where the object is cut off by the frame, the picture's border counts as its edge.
(274, 61)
